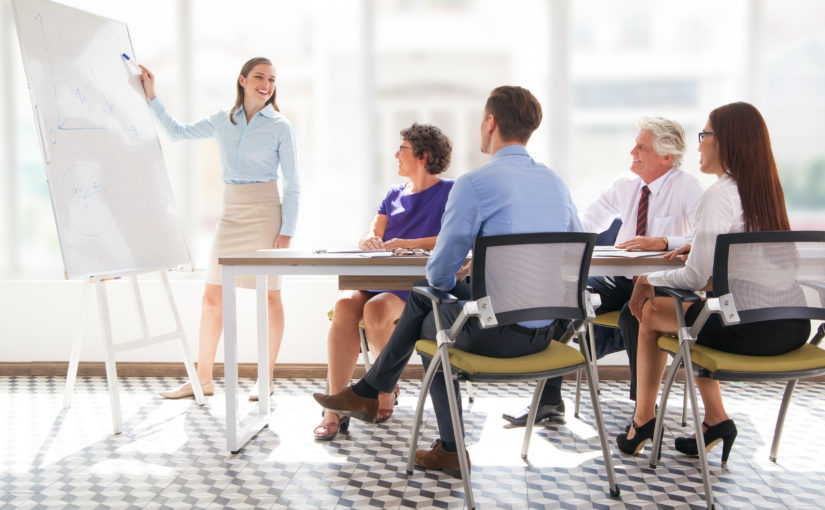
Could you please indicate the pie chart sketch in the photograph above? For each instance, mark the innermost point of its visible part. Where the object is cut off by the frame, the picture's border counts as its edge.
(86, 199)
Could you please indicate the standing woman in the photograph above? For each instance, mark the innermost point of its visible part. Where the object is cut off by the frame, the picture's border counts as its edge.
(254, 140)
(747, 197)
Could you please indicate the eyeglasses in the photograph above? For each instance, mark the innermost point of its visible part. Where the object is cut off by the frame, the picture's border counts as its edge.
(703, 134)
(410, 251)
(402, 147)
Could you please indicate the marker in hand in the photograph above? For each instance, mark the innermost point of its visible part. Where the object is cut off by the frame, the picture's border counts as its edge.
(129, 60)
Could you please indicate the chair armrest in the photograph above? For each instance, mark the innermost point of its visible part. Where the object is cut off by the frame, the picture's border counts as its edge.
(439, 296)
(687, 296)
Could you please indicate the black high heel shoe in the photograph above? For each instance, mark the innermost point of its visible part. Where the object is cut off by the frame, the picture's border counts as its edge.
(643, 433)
(724, 431)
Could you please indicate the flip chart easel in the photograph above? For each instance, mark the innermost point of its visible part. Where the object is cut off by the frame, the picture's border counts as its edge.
(110, 194)
(110, 348)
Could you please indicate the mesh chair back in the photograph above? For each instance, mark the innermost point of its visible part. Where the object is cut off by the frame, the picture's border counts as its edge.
(772, 275)
(533, 276)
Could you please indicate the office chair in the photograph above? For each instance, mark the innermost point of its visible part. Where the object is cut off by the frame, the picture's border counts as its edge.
(365, 356)
(757, 276)
(516, 278)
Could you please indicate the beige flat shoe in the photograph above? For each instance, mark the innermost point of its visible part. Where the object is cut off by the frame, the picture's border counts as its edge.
(253, 394)
(208, 391)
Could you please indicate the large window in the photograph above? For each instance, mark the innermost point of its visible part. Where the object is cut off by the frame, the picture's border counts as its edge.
(352, 74)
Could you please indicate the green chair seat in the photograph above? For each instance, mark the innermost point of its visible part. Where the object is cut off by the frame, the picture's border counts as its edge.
(807, 358)
(556, 356)
(609, 319)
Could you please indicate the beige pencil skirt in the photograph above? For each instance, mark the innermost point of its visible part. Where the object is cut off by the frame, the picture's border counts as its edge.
(251, 220)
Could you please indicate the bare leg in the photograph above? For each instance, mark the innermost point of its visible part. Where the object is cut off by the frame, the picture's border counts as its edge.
(211, 327)
(343, 342)
(650, 361)
(380, 314)
(712, 398)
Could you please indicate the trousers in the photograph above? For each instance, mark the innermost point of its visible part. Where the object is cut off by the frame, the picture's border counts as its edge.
(418, 322)
(615, 292)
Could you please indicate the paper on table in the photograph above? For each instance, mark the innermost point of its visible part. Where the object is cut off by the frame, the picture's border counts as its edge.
(630, 254)
(349, 250)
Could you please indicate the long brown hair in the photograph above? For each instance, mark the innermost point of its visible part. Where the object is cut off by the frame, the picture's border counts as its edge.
(247, 67)
(745, 153)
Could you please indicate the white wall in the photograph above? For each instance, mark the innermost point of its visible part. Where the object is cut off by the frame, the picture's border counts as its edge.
(40, 319)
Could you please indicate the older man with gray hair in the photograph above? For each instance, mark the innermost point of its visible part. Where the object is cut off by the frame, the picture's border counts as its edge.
(657, 207)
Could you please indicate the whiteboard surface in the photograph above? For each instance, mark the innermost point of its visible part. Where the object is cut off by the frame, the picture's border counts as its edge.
(110, 193)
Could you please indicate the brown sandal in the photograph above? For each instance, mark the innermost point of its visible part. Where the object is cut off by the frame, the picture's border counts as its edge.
(329, 431)
(384, 414)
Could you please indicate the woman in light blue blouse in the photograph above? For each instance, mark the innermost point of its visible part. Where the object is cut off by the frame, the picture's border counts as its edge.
(254, 140)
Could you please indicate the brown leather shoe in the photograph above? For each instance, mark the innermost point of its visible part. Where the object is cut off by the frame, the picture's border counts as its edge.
(439, 458)
(347, 403)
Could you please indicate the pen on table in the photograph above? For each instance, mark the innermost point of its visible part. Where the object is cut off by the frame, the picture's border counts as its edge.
(129, 60)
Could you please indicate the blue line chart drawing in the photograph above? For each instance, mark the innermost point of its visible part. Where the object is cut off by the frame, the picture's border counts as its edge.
(79, 97)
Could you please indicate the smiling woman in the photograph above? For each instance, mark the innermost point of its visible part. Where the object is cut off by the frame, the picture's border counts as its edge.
(256, 84)
(254, 140)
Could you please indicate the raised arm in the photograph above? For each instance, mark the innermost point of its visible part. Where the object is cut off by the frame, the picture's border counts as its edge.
(176, 131)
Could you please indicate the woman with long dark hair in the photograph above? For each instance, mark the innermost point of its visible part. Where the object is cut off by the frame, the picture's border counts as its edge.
(255, 140)
(747, 197)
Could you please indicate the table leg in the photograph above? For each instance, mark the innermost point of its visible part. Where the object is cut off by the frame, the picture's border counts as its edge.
(264, 374)
(230, 337)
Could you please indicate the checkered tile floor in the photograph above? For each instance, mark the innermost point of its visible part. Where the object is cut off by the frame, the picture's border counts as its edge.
(171, 453)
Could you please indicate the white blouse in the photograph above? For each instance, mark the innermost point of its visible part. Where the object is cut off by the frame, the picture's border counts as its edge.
(719, 212)
(674, 198)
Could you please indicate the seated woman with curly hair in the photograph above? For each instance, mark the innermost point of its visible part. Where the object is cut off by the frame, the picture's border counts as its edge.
(409, 216)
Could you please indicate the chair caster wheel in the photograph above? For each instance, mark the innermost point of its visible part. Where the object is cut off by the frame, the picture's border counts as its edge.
(615, 494)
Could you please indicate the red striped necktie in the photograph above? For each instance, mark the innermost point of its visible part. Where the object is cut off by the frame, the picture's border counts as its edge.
(641, 215)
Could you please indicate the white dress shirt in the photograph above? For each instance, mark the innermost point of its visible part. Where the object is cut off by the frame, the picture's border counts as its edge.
(672, 205)
(720, 212)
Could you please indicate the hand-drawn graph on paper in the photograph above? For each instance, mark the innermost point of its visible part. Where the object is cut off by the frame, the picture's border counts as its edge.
(111, 197)
(86, 106)
(85, 193)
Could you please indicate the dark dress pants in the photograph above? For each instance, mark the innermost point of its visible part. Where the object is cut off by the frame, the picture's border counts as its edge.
(615, 292)
(417, 322)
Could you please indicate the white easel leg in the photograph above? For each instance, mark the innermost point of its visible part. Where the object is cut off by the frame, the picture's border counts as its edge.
(187, 352)
(109, 353)
(74, 358)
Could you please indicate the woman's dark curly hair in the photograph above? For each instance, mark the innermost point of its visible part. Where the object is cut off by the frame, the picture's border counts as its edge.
(427, 140)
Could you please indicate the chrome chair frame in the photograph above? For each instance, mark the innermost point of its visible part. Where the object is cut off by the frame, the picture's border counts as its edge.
(482, 309)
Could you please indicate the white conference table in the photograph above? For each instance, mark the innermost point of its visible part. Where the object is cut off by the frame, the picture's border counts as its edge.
(354, 271)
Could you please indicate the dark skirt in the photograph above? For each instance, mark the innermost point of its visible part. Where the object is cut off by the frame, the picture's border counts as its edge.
(764, 338)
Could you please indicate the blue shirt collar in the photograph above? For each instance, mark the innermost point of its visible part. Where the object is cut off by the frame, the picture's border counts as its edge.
(511, 150)
(267, 111)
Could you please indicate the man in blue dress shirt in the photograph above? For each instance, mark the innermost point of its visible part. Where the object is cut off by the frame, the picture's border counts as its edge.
(512, 194)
